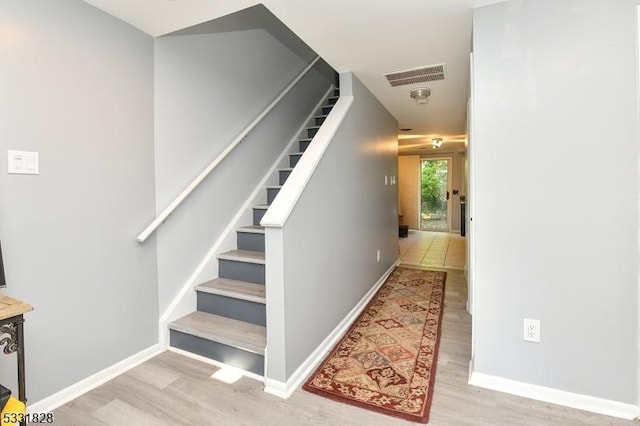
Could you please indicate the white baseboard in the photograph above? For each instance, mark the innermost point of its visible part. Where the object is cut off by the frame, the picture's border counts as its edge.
(277, 388)
(555, 396)
(67, 394)
(285, 389)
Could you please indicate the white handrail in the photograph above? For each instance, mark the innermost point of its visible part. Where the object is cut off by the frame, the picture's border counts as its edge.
(185, 193)
(288, 196)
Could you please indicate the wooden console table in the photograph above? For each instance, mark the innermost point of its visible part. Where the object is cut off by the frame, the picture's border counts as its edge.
(12, 335)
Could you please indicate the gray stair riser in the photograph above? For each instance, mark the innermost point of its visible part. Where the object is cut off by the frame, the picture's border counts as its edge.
(250, 241)
(320, 120)
(241, 271)
(257, 215)
(336, 92)
(303, 145)
(271, 194)
(332, 101)
(311, 132)
(217, 351)
(283, 175)
(293, 160)
(238, 309)
(326, 109)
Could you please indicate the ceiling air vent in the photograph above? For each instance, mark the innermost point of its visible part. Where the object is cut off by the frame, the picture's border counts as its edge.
(416, 75)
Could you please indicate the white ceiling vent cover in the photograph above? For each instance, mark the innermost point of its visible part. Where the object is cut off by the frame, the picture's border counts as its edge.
(416, 75)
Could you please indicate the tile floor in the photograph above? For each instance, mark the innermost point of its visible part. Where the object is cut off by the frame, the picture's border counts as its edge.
(435, 249)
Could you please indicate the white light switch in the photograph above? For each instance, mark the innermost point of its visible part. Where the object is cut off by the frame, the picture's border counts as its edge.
(23, 163)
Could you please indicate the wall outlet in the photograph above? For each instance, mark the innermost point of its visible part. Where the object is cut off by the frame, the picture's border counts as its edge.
(378, 255)
(531, 330)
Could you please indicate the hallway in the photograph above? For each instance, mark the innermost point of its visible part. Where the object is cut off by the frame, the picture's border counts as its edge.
(171, 389)
(433, 249)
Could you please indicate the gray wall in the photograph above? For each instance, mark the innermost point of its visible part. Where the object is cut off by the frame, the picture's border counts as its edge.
(77, 87)
(556, 194)
(344, 215)
(210, 83)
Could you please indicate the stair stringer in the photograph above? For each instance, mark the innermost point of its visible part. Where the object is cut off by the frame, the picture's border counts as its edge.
(185, 300)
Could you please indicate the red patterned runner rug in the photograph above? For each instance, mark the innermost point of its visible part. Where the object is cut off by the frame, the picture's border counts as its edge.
(386, 362)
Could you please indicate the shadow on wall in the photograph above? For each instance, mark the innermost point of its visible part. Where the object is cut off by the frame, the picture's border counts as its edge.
(252, 18)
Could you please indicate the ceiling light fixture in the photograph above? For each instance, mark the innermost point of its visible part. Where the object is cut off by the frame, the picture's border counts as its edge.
(421, 95)
(436, 143)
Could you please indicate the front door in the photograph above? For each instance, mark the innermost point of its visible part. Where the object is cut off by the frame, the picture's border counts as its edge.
(434, 195)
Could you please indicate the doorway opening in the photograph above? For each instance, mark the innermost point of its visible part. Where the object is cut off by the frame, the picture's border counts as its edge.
(434, 195)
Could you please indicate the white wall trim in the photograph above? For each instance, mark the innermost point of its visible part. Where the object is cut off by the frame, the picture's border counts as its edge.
(77, 389)
(638, 151)
(470, 236)
(450, 192)
(286, 389)
(182, 304)
(277, 388)
(555, 396)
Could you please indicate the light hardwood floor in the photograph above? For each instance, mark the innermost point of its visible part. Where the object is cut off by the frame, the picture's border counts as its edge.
(174, 390)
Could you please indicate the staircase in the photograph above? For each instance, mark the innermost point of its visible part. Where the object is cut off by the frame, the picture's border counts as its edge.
(229, 325)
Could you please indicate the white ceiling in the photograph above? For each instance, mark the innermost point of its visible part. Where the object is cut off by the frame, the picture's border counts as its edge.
(369, 37)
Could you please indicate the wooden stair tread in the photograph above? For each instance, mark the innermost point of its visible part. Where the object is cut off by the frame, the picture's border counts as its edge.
(230, 332)
(235, 289)
(251, 229)
(296, 153)
(261, 206)
(274, 186)
(243, 256)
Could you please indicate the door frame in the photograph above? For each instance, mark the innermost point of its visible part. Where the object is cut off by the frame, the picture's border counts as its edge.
(449, 185)
(638, 105)
(470, 211)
